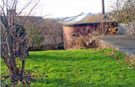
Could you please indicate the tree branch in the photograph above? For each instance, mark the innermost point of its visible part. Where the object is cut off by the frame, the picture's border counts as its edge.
(25, 7)
(31, 11)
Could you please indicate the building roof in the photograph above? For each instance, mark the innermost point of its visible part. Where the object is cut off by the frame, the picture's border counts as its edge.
(74, 19)
(85, 24)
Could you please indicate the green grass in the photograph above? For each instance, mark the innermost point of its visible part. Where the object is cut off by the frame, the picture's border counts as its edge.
(78, 68)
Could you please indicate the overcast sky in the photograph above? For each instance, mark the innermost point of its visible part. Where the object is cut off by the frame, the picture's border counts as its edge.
(62, 8)
(66, 8)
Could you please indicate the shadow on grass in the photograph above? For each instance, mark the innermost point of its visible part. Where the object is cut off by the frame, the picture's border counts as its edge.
(62, 83)
(69, 57)
(67, 83)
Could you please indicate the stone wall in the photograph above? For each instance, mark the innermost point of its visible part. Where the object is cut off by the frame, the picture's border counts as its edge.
(127, 29)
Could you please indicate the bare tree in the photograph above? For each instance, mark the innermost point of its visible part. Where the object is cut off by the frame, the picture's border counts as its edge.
(13, 37)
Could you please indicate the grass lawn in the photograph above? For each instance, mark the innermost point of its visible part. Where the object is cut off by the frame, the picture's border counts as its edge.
(77, 68)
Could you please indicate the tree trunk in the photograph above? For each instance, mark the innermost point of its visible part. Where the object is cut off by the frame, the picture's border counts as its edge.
(14, 75)
(14, 71)
(22, 71)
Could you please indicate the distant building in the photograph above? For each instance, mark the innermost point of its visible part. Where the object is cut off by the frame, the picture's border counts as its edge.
(74, 19)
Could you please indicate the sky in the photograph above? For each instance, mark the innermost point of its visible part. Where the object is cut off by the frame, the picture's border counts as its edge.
(65, 8)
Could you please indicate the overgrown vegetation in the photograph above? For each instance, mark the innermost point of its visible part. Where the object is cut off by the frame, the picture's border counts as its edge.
(43, 34)
(34, 38)
(75, 68)
(124, 12)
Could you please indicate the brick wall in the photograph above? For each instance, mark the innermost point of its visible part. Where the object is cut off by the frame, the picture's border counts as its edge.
(82, 35)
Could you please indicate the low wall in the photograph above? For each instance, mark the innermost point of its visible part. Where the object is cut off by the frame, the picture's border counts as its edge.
(120, 43)
(127, 29)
